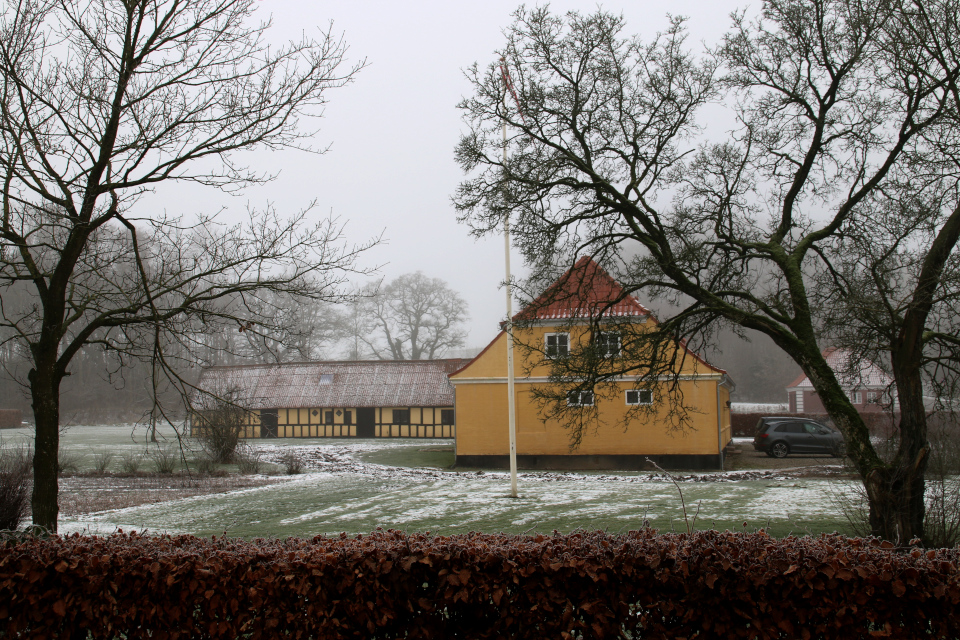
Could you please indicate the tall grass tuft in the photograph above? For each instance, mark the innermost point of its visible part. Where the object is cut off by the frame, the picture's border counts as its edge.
(165, 459)
(67, 462)
(102, 460)
(131, 462)
(292, 463)
(15, 468)
(249, 459)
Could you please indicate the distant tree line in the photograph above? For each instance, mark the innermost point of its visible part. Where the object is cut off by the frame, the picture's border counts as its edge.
(409, 318)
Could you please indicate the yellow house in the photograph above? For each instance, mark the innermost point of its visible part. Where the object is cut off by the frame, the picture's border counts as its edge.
(679, 419)
(336, 399)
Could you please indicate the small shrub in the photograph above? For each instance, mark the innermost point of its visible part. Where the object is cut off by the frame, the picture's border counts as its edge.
(204, 465)
(220, 428)
(164, 459)
(249, 460)
(292, 463)
(67, 462)
(14, 487)
(102, 460)
(131, 462)
(941, 523)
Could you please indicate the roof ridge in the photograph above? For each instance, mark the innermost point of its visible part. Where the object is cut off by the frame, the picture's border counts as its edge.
(602, 293)
(255, 365)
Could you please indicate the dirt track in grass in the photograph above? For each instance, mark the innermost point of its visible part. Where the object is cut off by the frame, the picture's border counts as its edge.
(90, 494)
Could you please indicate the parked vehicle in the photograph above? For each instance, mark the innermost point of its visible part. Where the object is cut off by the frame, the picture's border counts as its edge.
(780, 436)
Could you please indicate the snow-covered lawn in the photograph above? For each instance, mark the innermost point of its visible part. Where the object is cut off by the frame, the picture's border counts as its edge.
(349, 488)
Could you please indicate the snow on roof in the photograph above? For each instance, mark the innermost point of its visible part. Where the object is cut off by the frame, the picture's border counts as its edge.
(583, 291)
(407, 383)
(862, 374)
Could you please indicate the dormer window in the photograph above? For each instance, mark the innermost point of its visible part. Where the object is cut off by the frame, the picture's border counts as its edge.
(608, 344)
(557, 345)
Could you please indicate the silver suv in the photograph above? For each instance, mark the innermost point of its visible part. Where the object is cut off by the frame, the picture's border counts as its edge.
(780, 436)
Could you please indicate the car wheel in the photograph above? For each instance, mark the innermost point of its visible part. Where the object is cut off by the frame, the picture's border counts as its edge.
(840, 451)
(779, 449)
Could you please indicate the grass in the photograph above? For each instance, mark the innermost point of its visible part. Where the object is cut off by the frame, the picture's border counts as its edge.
(405, 484)
(438, 456)
(314, 504)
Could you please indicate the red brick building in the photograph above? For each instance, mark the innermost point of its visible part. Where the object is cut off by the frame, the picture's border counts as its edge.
(867, 386)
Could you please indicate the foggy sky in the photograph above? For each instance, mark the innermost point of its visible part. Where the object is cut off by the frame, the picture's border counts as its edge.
(390, 166)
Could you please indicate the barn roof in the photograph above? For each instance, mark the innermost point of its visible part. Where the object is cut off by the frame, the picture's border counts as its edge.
(407, 383)
(585, 290)
(862, 374)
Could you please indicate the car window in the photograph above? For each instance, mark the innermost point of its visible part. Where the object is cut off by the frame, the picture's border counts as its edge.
(815, 429)
(790, 427)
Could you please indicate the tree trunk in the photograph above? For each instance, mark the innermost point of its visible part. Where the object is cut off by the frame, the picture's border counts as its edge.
(45, 390)
(896, 492)
(894, 489)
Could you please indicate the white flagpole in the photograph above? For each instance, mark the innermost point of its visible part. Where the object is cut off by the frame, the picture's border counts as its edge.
(511, 397)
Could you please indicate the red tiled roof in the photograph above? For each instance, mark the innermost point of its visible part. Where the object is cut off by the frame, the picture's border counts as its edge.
(583, 291)
(407, 383)
(861, 375)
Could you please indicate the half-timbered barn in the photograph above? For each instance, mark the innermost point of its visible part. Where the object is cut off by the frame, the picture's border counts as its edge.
(555, 326)
(362, 399)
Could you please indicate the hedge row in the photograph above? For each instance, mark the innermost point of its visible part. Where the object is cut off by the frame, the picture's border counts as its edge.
(391, 585)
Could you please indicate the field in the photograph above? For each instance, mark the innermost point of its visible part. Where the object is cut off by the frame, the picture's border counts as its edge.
(355, 486)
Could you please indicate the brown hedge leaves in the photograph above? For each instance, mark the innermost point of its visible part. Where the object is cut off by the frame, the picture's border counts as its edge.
(391, 585)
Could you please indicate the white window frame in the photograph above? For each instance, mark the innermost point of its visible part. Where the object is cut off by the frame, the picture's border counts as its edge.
(856, 397)
(556, 347)
(873, 397)
(603, 345)
(580, 396)
(638, 392)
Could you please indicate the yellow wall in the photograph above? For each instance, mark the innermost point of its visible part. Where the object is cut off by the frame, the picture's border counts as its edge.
(481, 404)
(427, 422)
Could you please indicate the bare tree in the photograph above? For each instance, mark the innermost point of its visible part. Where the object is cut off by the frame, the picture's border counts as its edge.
(100, 101)
(835, 100)
(412, 318)
(274, 328)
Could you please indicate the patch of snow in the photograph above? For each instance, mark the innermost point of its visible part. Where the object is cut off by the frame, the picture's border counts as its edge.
(758, 407)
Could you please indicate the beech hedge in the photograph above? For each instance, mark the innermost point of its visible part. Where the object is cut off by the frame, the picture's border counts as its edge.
(388, 584)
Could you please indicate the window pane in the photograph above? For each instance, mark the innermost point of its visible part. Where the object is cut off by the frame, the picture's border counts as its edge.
(557, 345)
(608, 344)
(580, 399)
